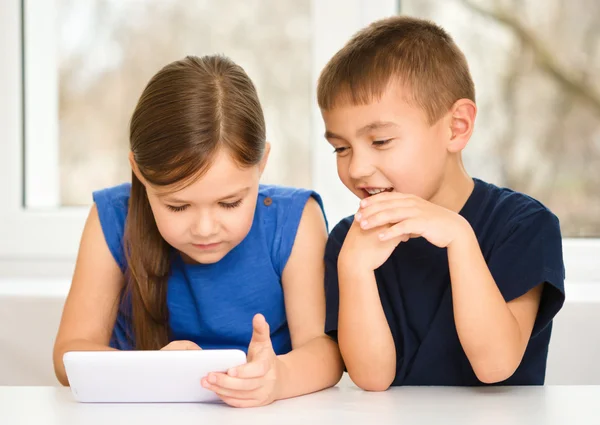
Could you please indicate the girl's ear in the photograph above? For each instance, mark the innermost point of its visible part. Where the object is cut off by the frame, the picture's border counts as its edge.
(135, 168)
(265, 158)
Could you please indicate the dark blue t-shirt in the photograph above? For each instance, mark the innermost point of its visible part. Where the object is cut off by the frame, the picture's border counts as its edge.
(521, 242)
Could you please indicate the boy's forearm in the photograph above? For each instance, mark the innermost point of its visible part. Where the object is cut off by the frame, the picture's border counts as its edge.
(73, 345)
(364, 335)
(314, 366)
(487, 329)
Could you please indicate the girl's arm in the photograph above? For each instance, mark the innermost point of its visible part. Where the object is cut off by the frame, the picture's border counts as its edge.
(91, 307)
(314, 362)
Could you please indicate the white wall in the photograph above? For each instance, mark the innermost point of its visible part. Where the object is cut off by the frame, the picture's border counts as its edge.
(30, 312)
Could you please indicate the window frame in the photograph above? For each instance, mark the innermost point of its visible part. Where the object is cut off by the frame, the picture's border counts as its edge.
(44, 235)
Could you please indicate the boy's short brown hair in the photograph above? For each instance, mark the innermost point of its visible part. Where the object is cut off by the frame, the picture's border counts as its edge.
(417, 53)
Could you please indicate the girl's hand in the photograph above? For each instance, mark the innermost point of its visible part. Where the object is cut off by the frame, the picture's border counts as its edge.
(255, 383)
(181, 345)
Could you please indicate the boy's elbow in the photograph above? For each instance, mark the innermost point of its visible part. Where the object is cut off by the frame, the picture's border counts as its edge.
(371, 383)
(494, 373)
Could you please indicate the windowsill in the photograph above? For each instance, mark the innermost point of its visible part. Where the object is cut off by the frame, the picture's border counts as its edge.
(577, 292)
(36, 287)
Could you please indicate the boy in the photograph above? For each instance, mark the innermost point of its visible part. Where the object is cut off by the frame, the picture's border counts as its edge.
(439, 278)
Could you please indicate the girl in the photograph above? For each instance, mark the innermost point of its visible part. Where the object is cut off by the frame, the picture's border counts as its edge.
(186, 255)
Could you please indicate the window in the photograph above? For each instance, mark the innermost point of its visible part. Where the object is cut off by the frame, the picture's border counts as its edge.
(73, 70)
(105, 51)
(538, 127)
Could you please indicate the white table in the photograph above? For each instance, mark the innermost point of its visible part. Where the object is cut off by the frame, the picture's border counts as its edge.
(340, 405)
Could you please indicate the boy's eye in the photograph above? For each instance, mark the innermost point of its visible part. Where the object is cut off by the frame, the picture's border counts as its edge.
(231, 204)
(177, 209)
(381, 142)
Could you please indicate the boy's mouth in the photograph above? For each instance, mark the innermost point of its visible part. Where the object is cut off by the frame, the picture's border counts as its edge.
(370, 191)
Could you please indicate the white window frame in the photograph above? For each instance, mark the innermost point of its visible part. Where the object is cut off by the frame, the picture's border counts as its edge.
(28, 235)
(42, 235)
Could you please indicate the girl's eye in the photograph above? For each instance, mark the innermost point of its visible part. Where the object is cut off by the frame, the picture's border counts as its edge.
(339, 150)
(231, 205)
(177, 209)
(381, 142)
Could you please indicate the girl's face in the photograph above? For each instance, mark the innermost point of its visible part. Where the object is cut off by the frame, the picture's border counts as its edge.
(211, 216)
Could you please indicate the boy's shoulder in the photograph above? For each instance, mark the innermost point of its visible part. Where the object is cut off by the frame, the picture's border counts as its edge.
(503, 209)
(338, 234)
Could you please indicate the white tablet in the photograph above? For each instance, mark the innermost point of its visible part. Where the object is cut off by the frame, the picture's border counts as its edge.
(146, 376)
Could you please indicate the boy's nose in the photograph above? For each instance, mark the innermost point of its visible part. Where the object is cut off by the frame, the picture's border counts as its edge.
(360, 167)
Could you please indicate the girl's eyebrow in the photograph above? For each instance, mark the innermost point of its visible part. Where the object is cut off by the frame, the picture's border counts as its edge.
(236, 194)
(171, 198)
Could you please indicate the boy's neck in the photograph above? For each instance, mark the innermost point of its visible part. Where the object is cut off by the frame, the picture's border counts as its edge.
(456, 187)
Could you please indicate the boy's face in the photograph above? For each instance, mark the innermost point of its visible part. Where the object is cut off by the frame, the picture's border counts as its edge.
(388, 145)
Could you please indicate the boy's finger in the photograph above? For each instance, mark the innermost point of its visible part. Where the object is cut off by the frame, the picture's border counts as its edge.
(374, 208)
(403, 230)
(388, 216)
(384, 196)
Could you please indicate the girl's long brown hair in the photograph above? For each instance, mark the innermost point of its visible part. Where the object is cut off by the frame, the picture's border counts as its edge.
(188, 111)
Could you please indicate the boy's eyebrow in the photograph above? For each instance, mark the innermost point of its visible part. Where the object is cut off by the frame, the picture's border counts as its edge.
(170, 198)
(377, 125)
(330, 135)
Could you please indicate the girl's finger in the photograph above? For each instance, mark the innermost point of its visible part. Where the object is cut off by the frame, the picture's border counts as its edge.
(254, 369)
(225, 381)
(236, 402)
(226, 392)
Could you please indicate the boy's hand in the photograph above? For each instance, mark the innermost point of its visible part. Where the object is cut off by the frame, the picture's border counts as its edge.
(409, 215)
(256, 382)
(363, 250)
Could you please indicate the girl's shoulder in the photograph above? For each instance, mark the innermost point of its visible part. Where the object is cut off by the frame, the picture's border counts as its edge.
(279, 210)
(285, 197)
(115, 195)
(112, 204)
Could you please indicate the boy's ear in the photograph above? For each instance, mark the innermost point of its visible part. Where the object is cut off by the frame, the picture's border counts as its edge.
(462, 121)
(265, 158)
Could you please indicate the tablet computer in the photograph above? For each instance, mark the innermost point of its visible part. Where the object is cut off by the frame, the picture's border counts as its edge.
(167, 376)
